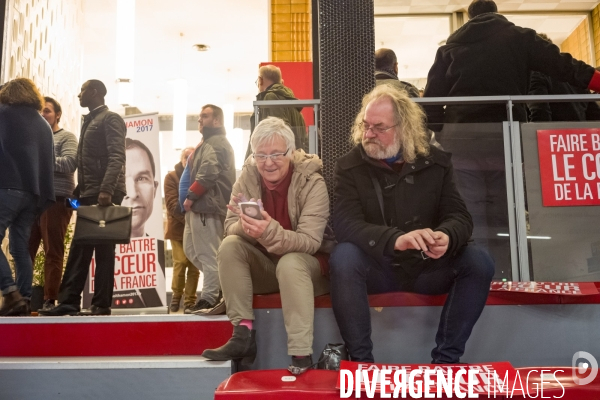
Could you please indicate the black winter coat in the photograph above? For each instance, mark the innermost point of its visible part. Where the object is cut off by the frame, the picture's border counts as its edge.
(543, 85)
(424, 196)
(490, 56)
(101, 154)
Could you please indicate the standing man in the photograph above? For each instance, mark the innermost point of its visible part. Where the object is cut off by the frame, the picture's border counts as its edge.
(175, 226)
(270, 85)
(101, 180)
(402, 226)
(491, 56)
(212, 172)
(51, 227)
(386, 72)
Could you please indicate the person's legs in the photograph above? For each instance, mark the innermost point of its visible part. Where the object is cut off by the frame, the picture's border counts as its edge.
(35, 238)
(191, 283)
(179, 263)
(353, 275)
(210, 230)
(243, 271)
(19, 244)
(10, 201)
(53, 227)
(104, 278)
(466, 278)
(76, 273)
(300, 280)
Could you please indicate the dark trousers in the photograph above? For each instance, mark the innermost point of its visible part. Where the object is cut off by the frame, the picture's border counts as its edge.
(50, 229)
(465, 276)
(78, 264)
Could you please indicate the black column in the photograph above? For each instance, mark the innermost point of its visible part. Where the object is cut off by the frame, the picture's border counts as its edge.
(2, 28)
(346, 63)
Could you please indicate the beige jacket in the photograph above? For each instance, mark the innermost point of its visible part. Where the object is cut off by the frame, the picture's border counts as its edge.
(308, 207)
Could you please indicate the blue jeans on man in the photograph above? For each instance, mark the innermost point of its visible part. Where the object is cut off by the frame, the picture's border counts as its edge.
(17, 212)
(465, 276)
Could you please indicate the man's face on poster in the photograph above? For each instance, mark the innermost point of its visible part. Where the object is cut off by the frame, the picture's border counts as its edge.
(141, 189)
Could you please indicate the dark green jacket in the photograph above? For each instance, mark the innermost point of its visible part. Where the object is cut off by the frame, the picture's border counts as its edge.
(213, 167)
(291, 115)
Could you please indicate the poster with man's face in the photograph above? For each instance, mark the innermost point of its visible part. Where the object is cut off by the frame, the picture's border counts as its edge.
(140, 265)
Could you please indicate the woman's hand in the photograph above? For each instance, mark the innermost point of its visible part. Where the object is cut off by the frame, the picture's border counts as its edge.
(239, 198)
(255, 227)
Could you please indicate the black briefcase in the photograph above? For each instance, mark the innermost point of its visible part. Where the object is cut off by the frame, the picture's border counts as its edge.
(97, 225)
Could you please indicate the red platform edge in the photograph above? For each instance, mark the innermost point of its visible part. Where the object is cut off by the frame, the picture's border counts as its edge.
(405, 299)
(318, 384)
(112, 339)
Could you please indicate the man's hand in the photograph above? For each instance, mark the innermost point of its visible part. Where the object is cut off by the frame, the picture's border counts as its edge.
(104, 199)
(187, 205)
(433, 244)
(255, 227)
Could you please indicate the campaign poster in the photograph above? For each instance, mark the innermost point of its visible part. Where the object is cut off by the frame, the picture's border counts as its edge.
(569, 167)
(140, 265)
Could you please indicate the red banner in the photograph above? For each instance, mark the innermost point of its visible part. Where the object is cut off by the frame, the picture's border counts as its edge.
(570, 167)
(565, 288)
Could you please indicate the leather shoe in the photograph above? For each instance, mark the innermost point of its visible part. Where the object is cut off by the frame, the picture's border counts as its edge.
(95, 310)
(14, 305)
(60, 310)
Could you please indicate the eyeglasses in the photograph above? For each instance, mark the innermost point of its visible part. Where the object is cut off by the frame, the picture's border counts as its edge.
(277, 157)
(256, 81)
(376, 129)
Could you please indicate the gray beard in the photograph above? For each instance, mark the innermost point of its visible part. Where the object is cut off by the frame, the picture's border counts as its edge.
(374, 149)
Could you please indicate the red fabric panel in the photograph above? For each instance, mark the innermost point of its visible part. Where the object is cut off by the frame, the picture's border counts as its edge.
(99, 339)
(298, 76)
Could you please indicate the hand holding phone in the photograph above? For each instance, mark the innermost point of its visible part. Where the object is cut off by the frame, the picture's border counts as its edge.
(251, 209)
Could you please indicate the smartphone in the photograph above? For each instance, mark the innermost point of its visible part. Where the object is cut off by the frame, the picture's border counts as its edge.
(251, 209)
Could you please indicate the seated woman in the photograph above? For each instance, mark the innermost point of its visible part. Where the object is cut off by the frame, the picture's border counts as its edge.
(277, 252)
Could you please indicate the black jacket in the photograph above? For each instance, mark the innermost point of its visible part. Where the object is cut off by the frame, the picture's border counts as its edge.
(490, 56)
(423, 195)
(383, 77)
(26, 153)
(213, 166)
(543, 85)
(101, 154)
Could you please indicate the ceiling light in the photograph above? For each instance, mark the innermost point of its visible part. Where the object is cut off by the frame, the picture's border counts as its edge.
(201, 47)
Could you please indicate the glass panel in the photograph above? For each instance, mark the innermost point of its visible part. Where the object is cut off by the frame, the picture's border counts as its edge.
(564, 242)
(478, 159)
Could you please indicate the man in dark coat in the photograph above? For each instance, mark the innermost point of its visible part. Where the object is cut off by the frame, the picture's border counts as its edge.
(490, 56)
(402, 226)
(175, 227)
(542, 85)
(386, 72)
(101, 180)
(270, 85)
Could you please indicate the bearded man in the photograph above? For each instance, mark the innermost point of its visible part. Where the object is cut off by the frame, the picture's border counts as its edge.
(402, 225)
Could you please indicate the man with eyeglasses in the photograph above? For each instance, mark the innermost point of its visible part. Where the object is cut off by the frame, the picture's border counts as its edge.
(212, 172)
(401, 225)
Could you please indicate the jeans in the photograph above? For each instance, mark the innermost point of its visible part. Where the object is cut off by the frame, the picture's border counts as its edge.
(78, 265)
(465, 276)
(17, 212)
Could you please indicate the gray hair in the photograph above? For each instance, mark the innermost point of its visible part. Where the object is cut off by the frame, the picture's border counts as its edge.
(268, 129)
(183, 152)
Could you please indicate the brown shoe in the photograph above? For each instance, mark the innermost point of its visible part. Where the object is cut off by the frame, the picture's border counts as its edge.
(174, 307)
(14, 305)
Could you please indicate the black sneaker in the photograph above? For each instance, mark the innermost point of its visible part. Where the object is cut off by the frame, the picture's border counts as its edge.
(201, 305)
(49, 305)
